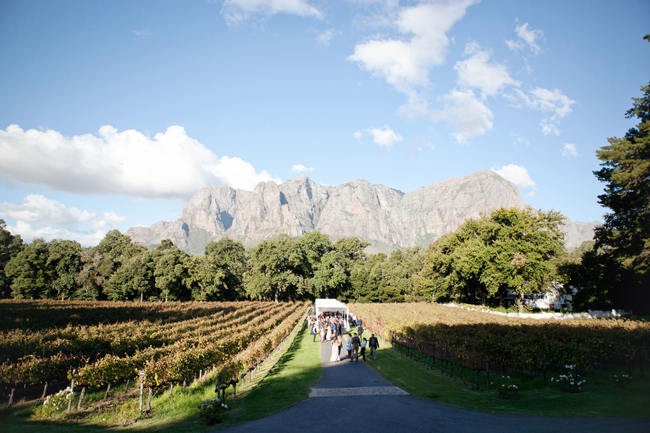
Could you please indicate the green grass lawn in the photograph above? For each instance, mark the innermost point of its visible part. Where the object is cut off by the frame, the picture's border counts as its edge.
(601, 396)
(288, 382)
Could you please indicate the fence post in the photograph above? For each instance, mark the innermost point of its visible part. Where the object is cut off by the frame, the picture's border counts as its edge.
(44, 391)
(81, 397)
(108, 388)
(11, 397)
(141, 389)
(149, 399)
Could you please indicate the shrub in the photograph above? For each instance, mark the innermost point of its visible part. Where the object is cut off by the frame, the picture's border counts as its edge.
(212, 410)
(570, 380)
(506, 389)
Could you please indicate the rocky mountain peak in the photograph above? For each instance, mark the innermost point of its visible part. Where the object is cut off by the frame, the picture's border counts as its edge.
(385, 217)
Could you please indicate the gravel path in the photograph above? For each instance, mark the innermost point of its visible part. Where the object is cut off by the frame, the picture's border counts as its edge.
(352, 397)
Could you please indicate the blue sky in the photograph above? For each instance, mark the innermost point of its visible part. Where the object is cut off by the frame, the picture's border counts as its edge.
(113, 113)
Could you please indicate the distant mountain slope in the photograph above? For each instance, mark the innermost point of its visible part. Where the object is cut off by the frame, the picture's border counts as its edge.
(385, 217)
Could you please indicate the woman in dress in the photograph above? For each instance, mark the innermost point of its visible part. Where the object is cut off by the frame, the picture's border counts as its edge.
(334, 354)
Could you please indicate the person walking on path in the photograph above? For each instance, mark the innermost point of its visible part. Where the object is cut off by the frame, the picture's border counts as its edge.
(355, 347)
(363, 349)
(334, 354)
(360, 330)
(374, 344)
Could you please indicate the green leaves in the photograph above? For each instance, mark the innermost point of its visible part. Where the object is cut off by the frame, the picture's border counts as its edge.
(509, 251)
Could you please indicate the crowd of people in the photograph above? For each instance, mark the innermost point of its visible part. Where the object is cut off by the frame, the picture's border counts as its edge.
(335, 328)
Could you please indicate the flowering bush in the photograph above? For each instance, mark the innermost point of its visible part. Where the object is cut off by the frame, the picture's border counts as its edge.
(212, 410)
(622, 379)
(506, 389)
(570, 380)
(56, 402)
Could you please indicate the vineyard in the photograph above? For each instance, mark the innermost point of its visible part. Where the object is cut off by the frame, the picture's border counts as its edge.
(107, 343)
(473, 339)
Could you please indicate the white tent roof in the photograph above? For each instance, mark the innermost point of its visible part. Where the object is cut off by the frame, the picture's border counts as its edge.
(323, 305)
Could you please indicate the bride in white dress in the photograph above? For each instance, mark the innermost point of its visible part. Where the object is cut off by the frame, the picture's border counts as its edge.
(334, 355)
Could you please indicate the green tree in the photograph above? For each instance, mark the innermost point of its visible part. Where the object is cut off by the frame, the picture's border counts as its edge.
(63, 265)
(332, 274)
(624, 238)
(10, 245)
(225, 264)
(276, 271)
(134, 279)
(511, 251)
(28, 271)
(365, 279)
(170, 270)
(313, 246)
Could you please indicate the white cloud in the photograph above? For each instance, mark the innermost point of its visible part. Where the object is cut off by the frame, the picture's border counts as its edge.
(40, 209)
(528, 37)
(236, 11)
(55, 220)
(299, 168)
(357, 135)
(515, 174)
(48, 233)
(552, 102)
(384, 137)
(466, 113)
(569, 150)
(324, 38)
(478, 72)
(405, 63)
(171, 165)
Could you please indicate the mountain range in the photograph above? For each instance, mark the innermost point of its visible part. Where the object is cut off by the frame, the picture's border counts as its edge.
(387, 218)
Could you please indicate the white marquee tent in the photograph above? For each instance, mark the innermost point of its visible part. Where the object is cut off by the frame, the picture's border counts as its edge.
(329, 305)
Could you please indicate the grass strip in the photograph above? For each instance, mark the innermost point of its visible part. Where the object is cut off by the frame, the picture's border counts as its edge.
(601, 396)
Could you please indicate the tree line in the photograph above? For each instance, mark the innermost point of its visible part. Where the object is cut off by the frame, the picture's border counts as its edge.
(511, 250)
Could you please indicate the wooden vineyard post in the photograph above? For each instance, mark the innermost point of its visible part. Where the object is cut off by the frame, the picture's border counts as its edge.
(44, 391)
(81, 397)
(11, 397)
(126, 387)
(69, 404)
(149, 399)
(72, 385)
(108, 388)
(171, 388)
(142, 374)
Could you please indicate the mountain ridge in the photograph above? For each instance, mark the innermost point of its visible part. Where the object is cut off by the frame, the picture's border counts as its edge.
(384, 216)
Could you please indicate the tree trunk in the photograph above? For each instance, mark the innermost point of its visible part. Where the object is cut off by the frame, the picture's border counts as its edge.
(141, 296)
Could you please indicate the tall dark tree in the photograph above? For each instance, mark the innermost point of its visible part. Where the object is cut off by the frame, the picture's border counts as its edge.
(10, 245)
(625, 235)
